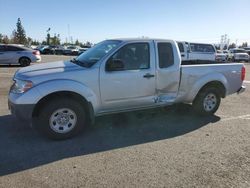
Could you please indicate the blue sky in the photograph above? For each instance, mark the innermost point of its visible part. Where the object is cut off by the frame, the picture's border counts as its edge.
(96, 20)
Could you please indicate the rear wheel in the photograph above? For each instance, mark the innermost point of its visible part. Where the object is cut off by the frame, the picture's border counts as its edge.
(207, 101)
(60, 119)
(24, 61)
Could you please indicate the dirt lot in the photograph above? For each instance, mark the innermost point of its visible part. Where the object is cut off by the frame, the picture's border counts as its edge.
(152, 148)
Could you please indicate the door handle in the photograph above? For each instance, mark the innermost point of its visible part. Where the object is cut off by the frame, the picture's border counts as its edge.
(148, 75)
(182, 55)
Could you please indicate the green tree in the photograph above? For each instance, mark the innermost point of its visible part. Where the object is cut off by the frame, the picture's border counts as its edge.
(5, 39)
(19, 35)
(244, 44)
(77, 43)
(29, 41)
(233, 45)
(88, 44)
(1, 38)
(55, 40)
(35, 42)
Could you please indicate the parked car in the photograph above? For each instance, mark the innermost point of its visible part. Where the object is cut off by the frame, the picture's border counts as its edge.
(220, 56)
(237, 54)
(226, 53)
(197, 51)
(42, 49)
(81, 50)
(247, 50)
(71, 50)
(115, 76)
(59, 50)
(14, 54)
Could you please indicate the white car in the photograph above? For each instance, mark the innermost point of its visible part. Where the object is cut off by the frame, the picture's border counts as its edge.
(18, 55)
(197, 51)
(71, 50)
(238, 54)
(220, 56)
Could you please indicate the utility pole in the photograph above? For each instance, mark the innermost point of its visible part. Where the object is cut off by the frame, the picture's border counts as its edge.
(48, 36)
(69, 37)
(224, 40)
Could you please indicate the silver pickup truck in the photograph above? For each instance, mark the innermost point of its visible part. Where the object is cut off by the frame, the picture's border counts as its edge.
(115, 76)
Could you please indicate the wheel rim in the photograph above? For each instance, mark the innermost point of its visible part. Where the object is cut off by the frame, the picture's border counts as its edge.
(210, 102)
(63, 120)
(24, 61)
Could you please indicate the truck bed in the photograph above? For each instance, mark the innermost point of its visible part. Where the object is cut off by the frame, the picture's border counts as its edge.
(196, 75)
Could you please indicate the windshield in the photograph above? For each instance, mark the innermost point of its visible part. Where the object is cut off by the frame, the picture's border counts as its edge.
(71, 47)
(94, 54)
(239, 51)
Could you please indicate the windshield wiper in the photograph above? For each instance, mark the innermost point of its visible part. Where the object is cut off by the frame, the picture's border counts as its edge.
(75, 61)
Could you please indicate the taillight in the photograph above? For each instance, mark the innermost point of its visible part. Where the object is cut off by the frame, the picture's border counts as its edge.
(243, 73)
(36, 52)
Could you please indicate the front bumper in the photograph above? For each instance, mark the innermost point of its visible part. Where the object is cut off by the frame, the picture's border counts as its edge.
(241, 90)
(241, 59)
(23, 110)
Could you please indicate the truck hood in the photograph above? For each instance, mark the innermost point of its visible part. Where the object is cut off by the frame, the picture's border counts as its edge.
(46, 68)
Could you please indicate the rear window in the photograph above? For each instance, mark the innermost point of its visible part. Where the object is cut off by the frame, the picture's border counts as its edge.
(181, 47)
(165, 54)
(204, 48)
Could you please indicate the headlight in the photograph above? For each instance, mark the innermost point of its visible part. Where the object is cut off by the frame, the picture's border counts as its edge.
(21, 86)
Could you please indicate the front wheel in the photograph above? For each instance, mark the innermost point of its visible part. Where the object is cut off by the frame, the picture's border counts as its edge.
(61, 119)
(207, 101)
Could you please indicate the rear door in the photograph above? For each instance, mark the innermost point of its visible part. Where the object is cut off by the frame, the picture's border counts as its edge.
(168, 71)
(12, 54)
(134, 85)
(3, 55)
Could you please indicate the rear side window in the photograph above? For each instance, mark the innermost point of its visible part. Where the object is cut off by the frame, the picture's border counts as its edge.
(181, 47)
(13, 48)
(165, 54)
(204, 48)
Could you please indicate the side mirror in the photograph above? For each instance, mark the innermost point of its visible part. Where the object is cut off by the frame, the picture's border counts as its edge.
(115, 65)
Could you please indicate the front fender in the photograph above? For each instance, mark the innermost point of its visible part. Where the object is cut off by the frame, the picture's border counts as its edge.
(35, 94)
(202, 81)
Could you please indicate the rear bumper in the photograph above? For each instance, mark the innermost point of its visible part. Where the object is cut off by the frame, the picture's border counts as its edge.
(38, 58)
(241, 90)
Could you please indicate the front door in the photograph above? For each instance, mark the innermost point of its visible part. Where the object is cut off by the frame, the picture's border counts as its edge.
(132, 83)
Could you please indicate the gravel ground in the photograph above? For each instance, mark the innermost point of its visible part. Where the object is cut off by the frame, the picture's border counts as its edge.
(153, 148)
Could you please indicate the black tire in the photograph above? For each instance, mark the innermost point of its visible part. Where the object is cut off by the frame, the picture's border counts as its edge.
(203, 108)
(45, 116)
(24, 61)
